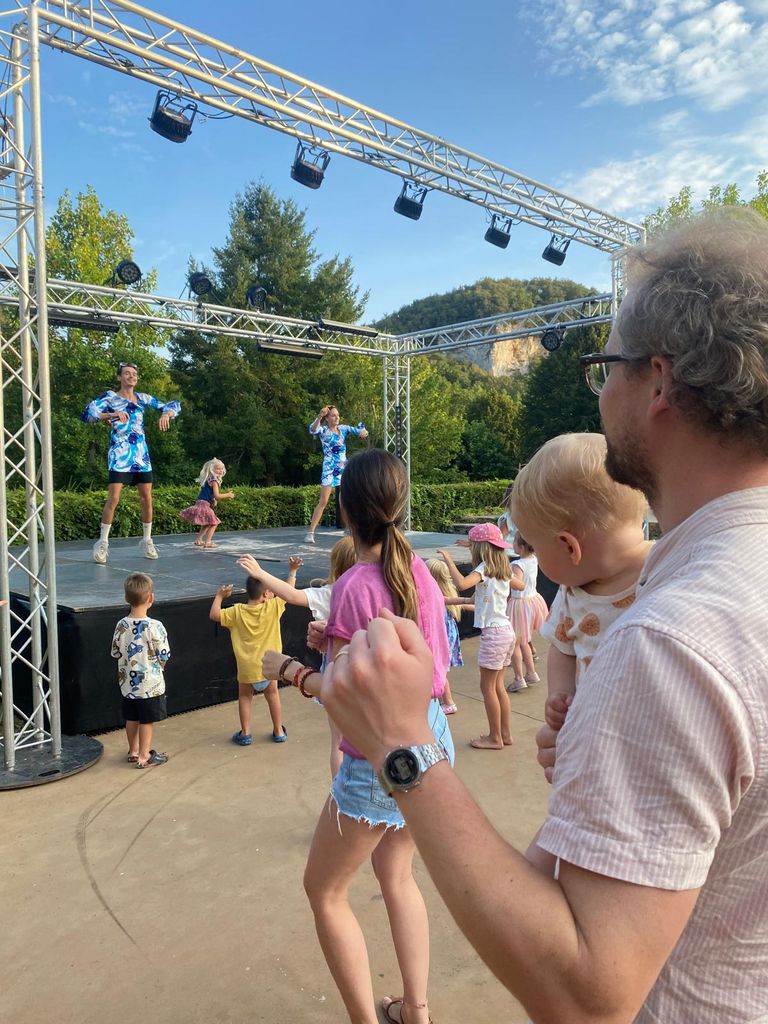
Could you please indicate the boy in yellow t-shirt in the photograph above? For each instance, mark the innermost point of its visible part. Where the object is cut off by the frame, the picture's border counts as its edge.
(255, 628)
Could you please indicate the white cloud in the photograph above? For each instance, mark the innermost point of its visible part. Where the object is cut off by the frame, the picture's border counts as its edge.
(711, 52)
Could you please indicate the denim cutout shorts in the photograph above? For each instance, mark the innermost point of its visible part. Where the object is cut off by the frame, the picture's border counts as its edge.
(357, 792)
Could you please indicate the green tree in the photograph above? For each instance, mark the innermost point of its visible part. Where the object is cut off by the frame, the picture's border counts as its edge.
(491, 439)
(252, 409)
(682, 206)
(556, 398)
(84, 242)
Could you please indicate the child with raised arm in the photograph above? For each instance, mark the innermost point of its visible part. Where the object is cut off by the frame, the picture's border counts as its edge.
(255, 628)
(201, 513)
(492, 579)
(317, 599)
(587, 532)
(141, 646)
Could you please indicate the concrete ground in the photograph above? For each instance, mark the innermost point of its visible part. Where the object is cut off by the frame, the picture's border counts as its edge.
(174, 895)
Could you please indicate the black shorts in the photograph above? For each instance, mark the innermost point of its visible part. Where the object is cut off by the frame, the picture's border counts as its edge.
(144, 710)
(130, 479)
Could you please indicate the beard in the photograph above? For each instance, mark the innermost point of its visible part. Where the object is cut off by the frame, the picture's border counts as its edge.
(627, 462)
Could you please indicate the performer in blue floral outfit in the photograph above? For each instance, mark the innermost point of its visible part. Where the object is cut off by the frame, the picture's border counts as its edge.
(333, 437)
(128, 461)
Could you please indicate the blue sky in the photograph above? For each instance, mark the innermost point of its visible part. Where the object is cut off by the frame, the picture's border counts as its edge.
(619, 104)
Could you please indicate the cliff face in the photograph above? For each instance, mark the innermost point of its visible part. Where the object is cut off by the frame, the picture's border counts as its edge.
(504, 358)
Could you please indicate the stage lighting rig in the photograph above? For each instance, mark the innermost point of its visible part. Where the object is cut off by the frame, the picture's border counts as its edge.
(126, 272)
(309, 165)
(172, 117)
(410, 202)
(256, 297)
(280, 348)
(556, 250)
(499, 231)
(553, 338)
(199, 284)
(340, 328)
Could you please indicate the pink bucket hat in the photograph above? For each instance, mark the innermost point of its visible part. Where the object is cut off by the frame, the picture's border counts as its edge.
(488, 532)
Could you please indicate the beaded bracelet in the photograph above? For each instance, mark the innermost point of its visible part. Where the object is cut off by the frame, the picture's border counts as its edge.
(283, 667)
(303, 677)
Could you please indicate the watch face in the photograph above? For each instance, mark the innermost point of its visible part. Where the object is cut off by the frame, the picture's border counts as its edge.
(402, 767)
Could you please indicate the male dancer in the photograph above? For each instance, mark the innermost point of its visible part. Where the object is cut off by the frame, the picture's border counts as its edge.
(128, 459)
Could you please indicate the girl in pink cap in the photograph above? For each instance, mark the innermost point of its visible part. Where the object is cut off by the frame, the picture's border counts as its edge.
(493, 580)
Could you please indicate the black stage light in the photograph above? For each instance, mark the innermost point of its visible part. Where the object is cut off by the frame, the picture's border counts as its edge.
(556, 250)
(172, 117)
(553, 338)
(340, 328)
(281, 348)
(410, 202)
(309, 165)
(127, 272)
(256, 297)
(200, 283)
(83, 321)
(499, 231)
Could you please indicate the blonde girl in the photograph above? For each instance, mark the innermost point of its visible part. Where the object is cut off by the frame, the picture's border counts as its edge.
(527, 613)
(201, 513)
(492, 579)
(441, 576)
(360, 820)
(317, 599)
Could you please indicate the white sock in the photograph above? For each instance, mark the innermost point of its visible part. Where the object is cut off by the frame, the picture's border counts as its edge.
(105, 528)
(147, 528)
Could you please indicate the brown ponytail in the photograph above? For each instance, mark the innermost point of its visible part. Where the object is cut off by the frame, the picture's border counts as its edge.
(374, 493)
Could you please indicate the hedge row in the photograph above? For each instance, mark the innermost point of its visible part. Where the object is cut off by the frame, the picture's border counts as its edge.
(77, 515)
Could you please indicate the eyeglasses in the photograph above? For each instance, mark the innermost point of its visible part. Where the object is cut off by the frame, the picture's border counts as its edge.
(126, 366)
(596, 366)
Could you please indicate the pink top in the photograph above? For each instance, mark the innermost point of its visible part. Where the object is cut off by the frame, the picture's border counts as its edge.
(362, 592)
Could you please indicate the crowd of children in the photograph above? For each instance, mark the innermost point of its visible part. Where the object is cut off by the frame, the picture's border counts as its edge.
(563, 513)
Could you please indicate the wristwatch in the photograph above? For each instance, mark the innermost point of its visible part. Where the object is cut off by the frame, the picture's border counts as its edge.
(403, 767)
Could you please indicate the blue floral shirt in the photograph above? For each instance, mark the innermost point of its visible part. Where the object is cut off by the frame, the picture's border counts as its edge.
(141, 645)
(334, 451)
(128, 452)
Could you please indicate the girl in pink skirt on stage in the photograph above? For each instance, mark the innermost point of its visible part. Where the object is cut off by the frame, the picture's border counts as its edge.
(201, 513)
(527, 613)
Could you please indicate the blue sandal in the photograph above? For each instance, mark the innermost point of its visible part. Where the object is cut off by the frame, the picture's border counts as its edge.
(242, 739)
(280, 739)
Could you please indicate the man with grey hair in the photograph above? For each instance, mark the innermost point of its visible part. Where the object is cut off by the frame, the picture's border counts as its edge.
(659, 805)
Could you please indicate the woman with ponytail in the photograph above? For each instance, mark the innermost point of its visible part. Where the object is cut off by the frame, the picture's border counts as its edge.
(360, 820)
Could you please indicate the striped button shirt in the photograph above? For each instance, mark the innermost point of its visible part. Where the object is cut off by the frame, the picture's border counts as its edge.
(662, 765)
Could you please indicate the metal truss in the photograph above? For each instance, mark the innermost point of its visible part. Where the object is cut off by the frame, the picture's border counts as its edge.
(142, 44)
(100, 307)
(28, 634)
(581, 312)
(397, 410)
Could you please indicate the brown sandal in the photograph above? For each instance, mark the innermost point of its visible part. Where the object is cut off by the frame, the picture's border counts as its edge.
(399, 1003)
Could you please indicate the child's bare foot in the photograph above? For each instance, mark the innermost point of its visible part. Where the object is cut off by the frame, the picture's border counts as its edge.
(507, 741)
(397, 1011)
(485, 743)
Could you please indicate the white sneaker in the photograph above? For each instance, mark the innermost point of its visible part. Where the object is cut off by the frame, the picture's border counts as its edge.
(100, 552)
(148, 549)
(532, 678)
(309, 538)
(517, 685)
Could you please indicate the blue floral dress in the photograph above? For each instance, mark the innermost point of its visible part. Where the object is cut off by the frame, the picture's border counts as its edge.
(334, 451)
(454, 646)
(128, 452)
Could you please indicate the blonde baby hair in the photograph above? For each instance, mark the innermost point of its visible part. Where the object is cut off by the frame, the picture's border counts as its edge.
(495, 560)
(565, 487)
(207, 471)
(442, 576)
(343, 557)
(138, 588)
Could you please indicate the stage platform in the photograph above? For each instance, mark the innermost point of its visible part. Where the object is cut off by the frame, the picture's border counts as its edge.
(201, 671)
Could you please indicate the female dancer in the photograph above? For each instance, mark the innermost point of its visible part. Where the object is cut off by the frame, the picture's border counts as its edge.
(361, 820)
(128, 459)
(333, 437)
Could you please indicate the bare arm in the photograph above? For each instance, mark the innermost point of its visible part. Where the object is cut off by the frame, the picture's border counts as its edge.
(286, 589)
(584, 949)
(460, 581)
(518, 580)
(218, 493)
(221, 594)
(465, 602)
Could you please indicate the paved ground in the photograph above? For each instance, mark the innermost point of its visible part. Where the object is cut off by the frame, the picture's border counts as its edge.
(174, 895)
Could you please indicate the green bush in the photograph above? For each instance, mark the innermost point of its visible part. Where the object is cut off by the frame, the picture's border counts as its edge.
(78, 514)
